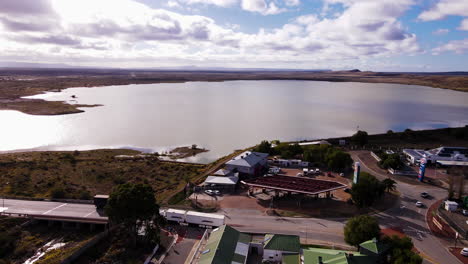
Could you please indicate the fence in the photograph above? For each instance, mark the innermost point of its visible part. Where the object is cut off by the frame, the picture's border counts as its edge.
(195, 252)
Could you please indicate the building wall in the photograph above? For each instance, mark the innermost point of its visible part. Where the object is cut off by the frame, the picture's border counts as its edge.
(240, 169)
(274, 255)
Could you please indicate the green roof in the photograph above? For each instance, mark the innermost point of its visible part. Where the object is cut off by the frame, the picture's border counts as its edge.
(374, 246)
(329, 256)
(291, 259)
(282, 242)
(225, 246)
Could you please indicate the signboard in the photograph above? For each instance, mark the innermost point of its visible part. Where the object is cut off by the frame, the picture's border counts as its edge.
(357, 170)
(422, 169)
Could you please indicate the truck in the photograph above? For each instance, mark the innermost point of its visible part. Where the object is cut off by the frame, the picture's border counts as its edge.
(204, 219)
(100, 201)
(175, 215)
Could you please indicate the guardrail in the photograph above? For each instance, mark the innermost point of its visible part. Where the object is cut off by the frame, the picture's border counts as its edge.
(103, 220)
(404, 173)
(196, 251)
(375, 156)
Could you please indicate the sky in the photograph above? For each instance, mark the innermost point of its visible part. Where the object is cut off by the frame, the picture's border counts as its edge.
(377, 35)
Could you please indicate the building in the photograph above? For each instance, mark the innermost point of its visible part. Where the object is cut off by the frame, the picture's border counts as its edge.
(277, 247)
(370, 252)
(251, 163)
(330, 256)
(288, 162)
(439, 154)
(228, 245)
(222, 183)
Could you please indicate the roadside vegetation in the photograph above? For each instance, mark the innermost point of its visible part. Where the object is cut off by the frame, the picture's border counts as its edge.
(370, 190)
(19, 243)
(423, 139)
(318, 155)
(362, 228)
(82, 174)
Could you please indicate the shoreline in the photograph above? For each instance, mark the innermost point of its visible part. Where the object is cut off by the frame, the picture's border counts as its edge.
(15, 84)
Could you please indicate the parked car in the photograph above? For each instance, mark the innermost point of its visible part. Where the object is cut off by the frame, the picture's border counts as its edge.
(419, 204)
(216, 192)
(424, 195)
(465, 212)
(341, 174)
(209, 192)
(464, 252)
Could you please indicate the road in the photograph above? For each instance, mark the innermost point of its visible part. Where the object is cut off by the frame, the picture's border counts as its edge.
(404, 215)
(53, 210)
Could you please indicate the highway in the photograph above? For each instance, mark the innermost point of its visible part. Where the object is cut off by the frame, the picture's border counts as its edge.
(71, 212)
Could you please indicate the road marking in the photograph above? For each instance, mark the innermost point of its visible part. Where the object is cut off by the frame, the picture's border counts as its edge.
(89, 214)
(54, 208)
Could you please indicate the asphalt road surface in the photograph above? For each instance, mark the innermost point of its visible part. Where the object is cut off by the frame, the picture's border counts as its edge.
(44, 209)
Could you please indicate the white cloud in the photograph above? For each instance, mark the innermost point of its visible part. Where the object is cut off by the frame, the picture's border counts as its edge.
(292, 2)
(223, 3)
(445, 8)
(457, 46)
(464, 25)
(261, 6)
(441, 31)
(137, 35)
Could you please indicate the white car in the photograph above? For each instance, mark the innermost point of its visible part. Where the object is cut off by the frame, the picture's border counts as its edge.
(419, 204)
(216, 192)
(464, 252)
(209, 192)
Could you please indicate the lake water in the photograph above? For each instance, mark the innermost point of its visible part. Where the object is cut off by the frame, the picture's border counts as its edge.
(224, 116)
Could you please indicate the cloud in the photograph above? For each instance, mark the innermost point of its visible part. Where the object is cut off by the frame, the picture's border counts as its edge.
(261, 6)
(223, 3)
(292, 2)
(440, 31)
(464, 25)
(132, 33)
(22, 7)
(445, 8)
(457, 46)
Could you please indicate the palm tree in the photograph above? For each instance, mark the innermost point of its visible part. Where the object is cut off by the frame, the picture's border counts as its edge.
(389, 184)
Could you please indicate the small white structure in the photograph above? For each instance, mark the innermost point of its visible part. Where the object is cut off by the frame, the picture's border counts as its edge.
(175, 215)
(319, 142)
(204, 219)
(451, 206)
(439, 154)
(289, 162)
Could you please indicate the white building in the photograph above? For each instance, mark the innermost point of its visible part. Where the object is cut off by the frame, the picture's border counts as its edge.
(248, 163)
(439, 154)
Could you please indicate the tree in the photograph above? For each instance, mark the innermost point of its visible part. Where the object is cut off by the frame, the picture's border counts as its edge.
(360, 229)
(366, 191)
(264, 147)
(360, 138)
(391, 161)
(401, 250)
(389, 184)
(338, 160)
(134, 206)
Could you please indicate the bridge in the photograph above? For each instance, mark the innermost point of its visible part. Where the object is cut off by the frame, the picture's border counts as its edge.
(54, 212)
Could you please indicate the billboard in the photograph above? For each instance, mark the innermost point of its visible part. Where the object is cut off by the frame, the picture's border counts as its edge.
(357, 170)
(422, 169)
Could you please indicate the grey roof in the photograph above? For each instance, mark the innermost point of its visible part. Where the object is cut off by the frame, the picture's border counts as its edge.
(223, 172)
(221, 180)
(248, 159)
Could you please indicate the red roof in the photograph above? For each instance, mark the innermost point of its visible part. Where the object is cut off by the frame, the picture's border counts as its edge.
(294, 184)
